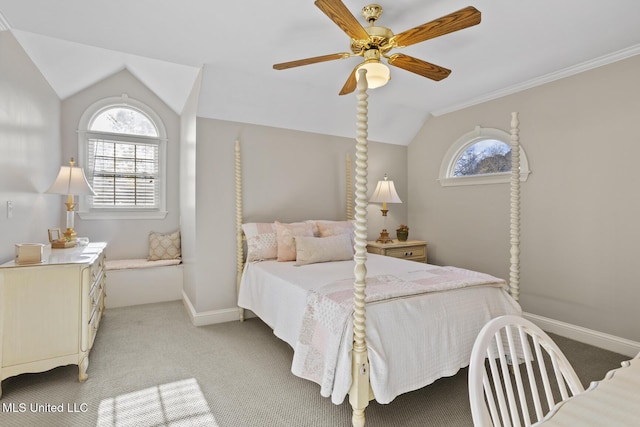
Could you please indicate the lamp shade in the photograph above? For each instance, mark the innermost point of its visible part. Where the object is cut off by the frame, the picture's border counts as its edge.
(71, 180)
(385, 192)
(378, 74)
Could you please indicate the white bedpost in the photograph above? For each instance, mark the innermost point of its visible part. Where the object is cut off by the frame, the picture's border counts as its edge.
(514, 271)
(239, 243)
(349, 184)
(359, 392)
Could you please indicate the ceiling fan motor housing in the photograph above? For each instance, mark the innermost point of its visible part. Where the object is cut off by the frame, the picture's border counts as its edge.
(378, 39)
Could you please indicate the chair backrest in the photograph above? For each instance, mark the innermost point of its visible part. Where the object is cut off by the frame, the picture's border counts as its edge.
(517, 372)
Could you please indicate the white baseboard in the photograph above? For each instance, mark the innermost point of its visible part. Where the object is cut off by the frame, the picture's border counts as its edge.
(588, 336)
(209, 317)
(578, 333)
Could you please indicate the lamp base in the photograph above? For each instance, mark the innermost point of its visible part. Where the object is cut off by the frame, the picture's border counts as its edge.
(384, 237)
(62, 244)
(68, 241)
(70, 234)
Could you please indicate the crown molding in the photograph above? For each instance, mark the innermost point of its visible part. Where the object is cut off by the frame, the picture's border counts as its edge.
(547, 78)
(4, 25)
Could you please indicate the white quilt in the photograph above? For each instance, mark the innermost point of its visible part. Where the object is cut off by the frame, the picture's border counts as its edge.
(412, 340)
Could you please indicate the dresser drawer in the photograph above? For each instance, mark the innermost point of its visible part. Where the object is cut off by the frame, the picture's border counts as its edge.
(97, 308)
(96, 292)
(411, 252)
(97, 268)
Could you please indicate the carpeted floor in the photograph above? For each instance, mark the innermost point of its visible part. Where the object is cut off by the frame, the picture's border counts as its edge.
(151, 367)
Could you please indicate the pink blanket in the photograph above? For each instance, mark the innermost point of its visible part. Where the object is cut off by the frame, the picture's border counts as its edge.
(329, 310)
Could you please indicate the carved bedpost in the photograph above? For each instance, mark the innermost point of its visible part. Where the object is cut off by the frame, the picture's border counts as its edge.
(239, 243)
(359, 392)
(514, 271)
(349, 189)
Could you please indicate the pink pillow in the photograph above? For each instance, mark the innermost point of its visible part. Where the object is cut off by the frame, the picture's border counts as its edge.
(261, 241)
(286, 234)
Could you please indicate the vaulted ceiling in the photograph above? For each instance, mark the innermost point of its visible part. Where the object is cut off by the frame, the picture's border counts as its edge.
(518, 44)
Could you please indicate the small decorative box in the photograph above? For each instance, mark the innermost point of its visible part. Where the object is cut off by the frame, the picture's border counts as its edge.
(29, 253)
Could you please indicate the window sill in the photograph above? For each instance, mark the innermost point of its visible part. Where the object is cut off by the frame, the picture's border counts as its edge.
(123, 215)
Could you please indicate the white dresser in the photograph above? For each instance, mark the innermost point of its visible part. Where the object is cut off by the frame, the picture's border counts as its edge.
(50, 312)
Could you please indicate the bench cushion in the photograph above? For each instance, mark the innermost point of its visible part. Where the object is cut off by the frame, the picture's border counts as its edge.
(123, 264)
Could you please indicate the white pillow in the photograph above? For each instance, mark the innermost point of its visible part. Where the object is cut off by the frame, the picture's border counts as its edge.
(310, 250)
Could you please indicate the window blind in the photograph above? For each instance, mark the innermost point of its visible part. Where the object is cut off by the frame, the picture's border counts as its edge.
(123, 173)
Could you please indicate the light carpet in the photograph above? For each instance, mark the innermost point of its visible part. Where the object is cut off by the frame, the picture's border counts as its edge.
(151, 367)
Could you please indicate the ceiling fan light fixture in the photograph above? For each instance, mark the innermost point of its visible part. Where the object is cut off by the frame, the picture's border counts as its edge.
(377, 75)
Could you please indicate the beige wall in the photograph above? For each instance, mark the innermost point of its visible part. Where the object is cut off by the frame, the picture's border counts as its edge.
(126, 238)
(580, 210)
(287, 176)
(29, 150)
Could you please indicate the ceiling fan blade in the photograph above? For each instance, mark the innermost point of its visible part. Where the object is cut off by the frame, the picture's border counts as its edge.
(308, 61)
(463, 18)
(351, 83)
(338, 13)
(418, 66)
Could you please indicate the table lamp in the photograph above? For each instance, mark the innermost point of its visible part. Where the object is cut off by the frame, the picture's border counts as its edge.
(71, 182)
(384, 193)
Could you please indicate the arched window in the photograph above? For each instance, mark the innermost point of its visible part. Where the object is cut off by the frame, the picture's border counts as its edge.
(482, 156)
(122, 144)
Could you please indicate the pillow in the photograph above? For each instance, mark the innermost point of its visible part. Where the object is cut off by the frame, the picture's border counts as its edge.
(261, 241)
(333, 228)
(314, 227)
(286, 234)
(164, 246)
(310, 250)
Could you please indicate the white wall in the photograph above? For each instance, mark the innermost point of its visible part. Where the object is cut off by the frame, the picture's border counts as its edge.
(126, 238)
(288, 176)
(29, 150)
(580, 208)
(188, 200)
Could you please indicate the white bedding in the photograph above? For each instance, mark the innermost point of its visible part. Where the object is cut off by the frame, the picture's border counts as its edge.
(412, 341)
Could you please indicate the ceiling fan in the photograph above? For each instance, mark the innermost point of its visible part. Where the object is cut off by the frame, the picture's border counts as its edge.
(374, 42)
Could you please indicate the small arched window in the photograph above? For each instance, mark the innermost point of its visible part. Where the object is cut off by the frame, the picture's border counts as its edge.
(482, 156)
(122, 145)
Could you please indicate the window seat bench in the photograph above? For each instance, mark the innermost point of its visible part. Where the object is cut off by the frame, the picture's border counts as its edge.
(140, 281)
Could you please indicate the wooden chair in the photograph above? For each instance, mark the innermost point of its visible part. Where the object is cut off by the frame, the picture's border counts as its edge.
(515, 367)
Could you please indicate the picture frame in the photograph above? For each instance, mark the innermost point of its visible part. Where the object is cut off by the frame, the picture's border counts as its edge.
(54, 234)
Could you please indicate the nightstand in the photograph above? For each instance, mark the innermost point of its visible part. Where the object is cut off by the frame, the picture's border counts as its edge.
(414, 250)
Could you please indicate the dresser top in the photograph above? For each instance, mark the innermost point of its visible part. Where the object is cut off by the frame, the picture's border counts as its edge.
(78, 255)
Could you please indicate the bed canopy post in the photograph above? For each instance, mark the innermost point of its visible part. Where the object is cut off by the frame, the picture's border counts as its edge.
(359, 392)
(514, 271)
(349, 185)
(239, 243)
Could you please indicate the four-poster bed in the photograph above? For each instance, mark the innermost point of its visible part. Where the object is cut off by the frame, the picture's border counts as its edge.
(424, 332)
